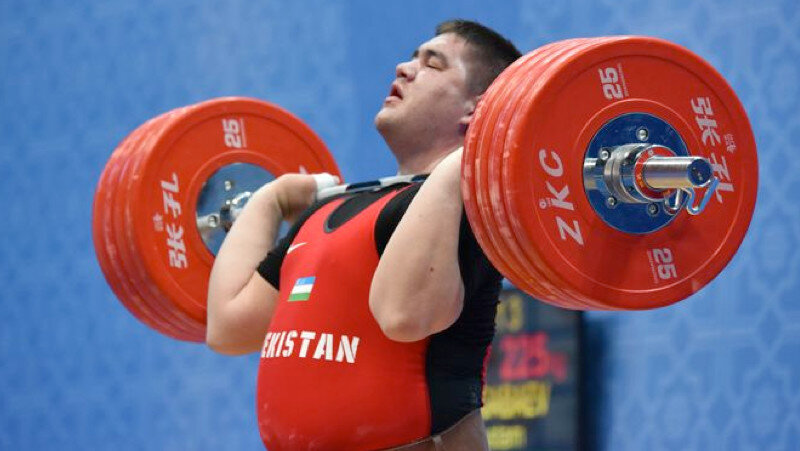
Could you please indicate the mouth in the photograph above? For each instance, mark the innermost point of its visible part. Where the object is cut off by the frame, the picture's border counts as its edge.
(395, 92)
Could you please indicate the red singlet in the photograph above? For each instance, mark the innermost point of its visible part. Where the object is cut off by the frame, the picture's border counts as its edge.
(329, 378)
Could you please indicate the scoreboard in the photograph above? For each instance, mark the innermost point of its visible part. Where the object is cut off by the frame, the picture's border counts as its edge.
(532, 392)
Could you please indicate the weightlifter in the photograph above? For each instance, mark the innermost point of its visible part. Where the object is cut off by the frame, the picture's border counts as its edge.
(374, 314)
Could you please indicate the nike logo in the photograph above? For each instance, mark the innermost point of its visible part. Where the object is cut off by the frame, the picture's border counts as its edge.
(295, 246)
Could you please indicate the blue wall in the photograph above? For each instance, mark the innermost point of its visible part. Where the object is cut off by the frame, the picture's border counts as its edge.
(718, 371)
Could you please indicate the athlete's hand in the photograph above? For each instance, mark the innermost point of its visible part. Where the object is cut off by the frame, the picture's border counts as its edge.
(294, 193)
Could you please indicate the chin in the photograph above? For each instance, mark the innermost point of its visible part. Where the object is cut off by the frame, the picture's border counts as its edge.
(382, 120)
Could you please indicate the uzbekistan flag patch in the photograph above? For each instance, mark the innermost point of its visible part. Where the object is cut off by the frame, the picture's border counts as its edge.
(302, 289)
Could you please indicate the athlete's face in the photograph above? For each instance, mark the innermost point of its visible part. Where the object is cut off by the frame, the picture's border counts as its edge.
(430, 93)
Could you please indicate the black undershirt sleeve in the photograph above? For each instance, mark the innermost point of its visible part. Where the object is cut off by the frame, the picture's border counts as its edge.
(391, 214)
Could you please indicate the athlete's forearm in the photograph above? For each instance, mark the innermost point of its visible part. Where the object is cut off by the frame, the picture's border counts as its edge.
(239, 301)
(417, 288)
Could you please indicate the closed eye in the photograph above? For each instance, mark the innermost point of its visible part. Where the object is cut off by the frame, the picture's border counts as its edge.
(432, 58)
(434, 65)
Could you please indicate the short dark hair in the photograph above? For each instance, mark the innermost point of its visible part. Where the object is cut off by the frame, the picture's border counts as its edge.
(491, 52)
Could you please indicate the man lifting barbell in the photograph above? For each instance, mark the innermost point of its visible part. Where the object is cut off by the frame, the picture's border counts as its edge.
(378, 307)
(597, 173)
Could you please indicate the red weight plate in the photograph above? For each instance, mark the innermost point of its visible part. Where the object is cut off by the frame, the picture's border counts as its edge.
(106, 254)
(491, 160)
(490, 152)
(533, 276)
(562, 294)
(471, 163)
(530, 278)
(144, 281)
(558, 293)
(109, 250)
(620, 270)
(193, 329)
(187, 153)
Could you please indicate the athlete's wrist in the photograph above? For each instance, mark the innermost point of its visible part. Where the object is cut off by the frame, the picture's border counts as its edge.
(266, 201)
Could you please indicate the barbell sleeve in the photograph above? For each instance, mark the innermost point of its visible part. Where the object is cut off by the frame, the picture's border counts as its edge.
(661, 173)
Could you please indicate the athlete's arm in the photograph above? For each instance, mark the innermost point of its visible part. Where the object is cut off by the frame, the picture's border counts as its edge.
(240, 301)
(417, 288)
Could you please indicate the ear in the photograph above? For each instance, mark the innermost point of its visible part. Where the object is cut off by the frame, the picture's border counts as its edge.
(469, 110)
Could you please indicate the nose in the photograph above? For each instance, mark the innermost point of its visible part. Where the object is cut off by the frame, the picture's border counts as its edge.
(407, 70)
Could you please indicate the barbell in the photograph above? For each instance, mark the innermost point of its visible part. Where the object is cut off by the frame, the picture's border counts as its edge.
(614, 173)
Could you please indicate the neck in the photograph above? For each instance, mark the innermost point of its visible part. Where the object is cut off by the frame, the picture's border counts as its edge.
(417, 159)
